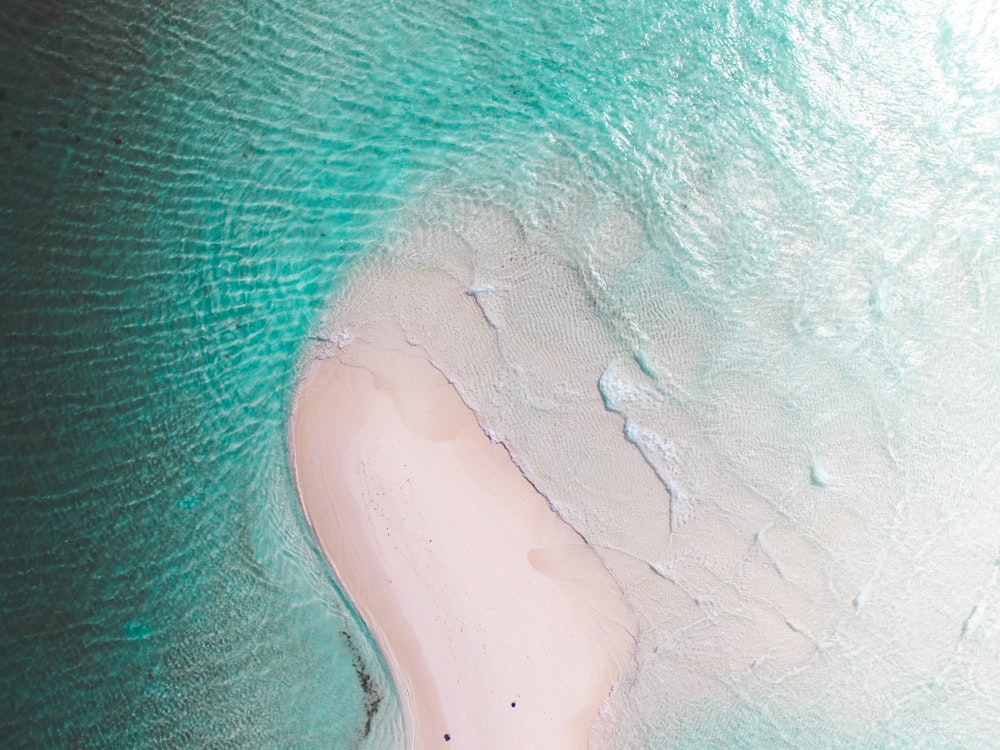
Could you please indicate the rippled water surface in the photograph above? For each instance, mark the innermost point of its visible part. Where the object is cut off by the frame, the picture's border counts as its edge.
(785, 216)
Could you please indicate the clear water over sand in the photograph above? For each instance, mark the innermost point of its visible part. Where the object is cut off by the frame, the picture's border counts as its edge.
(738, 263)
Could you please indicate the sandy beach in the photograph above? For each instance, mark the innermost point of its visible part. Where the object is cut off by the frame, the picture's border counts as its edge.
(500, 626)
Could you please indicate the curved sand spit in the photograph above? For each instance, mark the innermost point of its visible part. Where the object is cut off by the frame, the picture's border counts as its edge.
(500, 626)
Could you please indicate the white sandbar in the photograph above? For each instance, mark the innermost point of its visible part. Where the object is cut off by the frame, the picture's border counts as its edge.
(477, 593)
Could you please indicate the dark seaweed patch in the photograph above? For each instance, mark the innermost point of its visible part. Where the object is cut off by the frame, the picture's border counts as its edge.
(373, 699)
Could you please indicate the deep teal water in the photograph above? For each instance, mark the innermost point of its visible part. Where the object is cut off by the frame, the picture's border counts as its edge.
(184, 188)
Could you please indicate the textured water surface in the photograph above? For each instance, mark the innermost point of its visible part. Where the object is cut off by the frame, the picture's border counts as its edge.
(781, 225)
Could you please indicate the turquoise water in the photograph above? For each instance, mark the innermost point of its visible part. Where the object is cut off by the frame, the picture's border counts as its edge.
(185, 187)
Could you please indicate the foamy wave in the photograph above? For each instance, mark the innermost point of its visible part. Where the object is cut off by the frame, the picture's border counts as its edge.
(635, 401)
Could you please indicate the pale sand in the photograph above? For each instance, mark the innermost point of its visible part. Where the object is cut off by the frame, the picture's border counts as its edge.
(477, 594)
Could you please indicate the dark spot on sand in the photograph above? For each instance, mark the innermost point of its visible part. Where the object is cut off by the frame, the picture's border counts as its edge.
(447, 738)
(513, 704)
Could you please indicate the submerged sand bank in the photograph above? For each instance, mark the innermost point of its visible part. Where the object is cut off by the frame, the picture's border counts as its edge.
(501, 627)
(778, 559)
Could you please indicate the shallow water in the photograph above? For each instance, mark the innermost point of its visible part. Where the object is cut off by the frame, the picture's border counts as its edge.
(757, 247)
